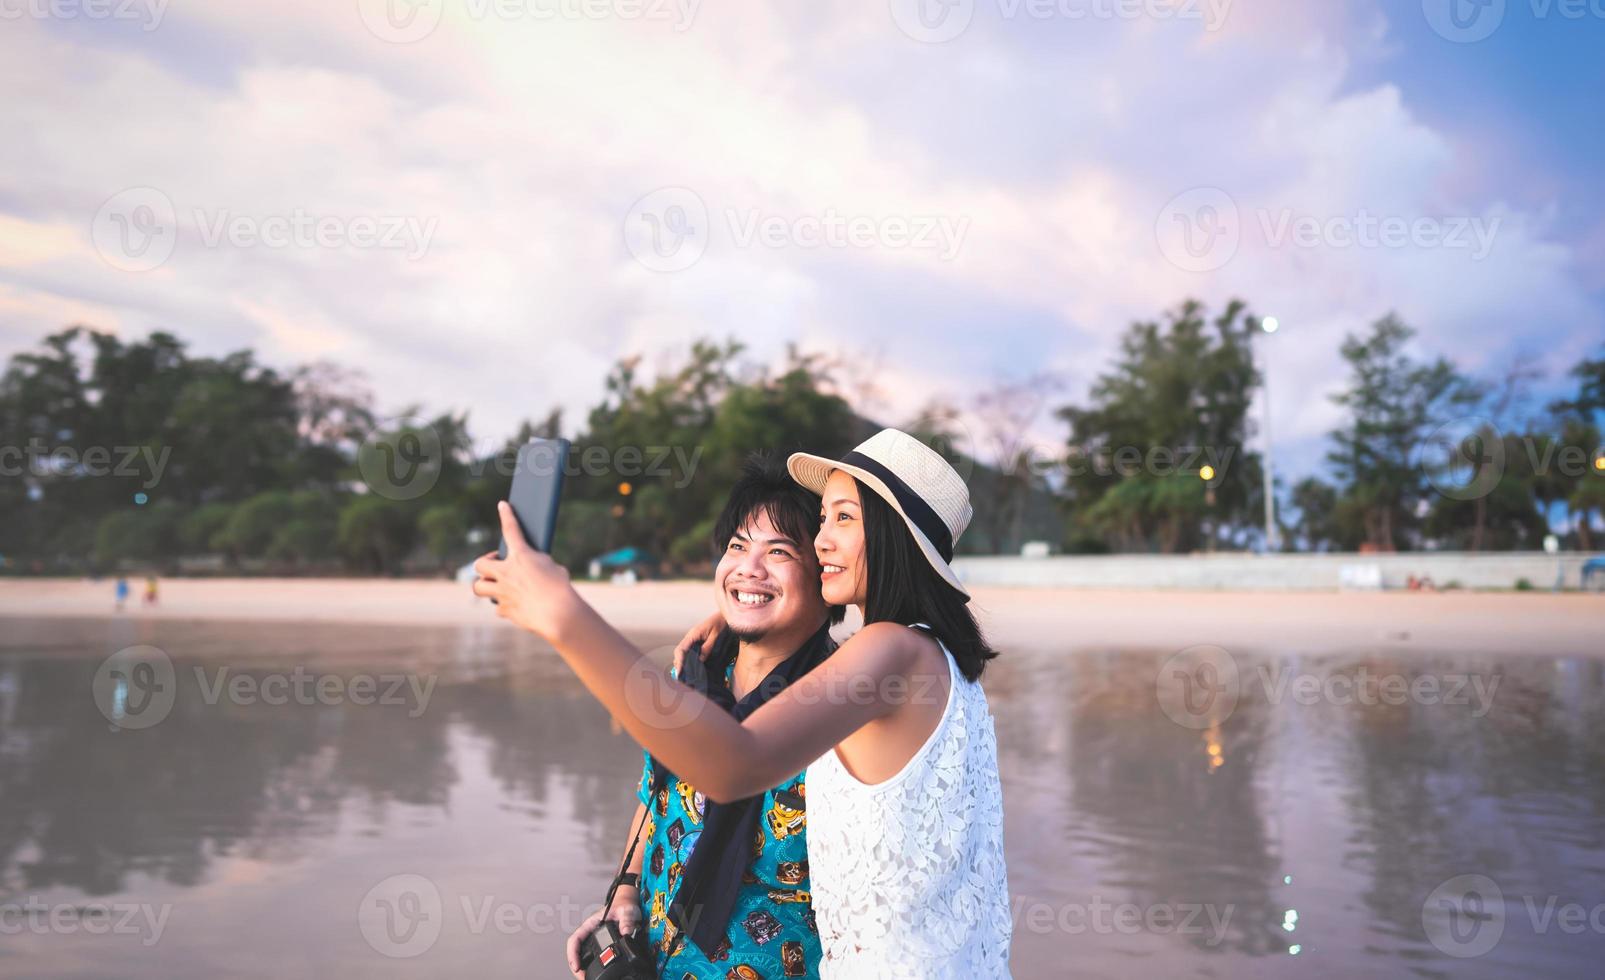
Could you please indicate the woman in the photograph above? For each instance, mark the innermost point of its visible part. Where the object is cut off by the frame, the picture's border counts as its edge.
(905, 814)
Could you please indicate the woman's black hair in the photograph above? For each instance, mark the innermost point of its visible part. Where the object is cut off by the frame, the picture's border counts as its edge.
(902, 587)
(765, 487)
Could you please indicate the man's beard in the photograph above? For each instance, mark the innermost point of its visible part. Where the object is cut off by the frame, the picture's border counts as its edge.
(749, 636)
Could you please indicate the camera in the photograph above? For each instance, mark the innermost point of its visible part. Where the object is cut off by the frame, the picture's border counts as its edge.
(608, 954)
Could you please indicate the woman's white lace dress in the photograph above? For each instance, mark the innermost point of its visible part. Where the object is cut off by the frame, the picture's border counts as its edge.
(908, 875)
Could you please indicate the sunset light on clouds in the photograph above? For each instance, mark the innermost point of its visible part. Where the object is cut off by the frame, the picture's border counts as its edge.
(456, 213)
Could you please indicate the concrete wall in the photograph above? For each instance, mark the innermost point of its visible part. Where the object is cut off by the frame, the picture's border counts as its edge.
(1276, 572)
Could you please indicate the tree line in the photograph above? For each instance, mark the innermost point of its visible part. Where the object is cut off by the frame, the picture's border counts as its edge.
(1426, 456)
(117, 453)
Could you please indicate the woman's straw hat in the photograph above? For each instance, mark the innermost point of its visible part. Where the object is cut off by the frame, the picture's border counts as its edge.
(912, 477)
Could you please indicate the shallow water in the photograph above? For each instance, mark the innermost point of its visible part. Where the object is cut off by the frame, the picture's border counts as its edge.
(460, 825)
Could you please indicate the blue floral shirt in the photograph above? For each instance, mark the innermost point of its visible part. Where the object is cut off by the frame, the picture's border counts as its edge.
(771, 933)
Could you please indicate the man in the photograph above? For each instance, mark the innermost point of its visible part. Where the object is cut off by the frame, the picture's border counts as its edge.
(723, 888)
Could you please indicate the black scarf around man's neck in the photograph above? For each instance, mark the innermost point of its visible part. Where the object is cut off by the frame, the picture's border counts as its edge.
(711, 878)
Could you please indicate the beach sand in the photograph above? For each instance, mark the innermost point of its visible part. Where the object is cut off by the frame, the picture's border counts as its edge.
(1037, 619)
(274, 830)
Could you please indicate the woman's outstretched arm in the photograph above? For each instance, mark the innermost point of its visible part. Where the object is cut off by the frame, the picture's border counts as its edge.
(725, 759)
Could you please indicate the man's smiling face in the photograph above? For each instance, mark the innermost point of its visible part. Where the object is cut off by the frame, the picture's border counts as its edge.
(767, 581)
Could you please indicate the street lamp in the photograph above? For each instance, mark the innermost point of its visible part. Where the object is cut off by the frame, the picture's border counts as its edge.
(1269, 325)
(1207, 474)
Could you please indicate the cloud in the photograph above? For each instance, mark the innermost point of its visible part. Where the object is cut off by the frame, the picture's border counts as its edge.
(524, 143)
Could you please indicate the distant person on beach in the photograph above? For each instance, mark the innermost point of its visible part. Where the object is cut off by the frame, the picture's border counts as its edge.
(893, 728)
(1421, 584)
(723, 885)
(150, 590)
(122, 592)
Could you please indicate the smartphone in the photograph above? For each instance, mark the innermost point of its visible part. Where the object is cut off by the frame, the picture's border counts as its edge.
(537, 487)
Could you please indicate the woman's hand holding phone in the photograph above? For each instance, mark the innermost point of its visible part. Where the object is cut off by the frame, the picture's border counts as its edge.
(530, 589)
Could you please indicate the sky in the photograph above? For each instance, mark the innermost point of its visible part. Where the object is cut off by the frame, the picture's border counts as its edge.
(483, 204)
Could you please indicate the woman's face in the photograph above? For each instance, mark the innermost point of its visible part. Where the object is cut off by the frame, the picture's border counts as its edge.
(840, 542)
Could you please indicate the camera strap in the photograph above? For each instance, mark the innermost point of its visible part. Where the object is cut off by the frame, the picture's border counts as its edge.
(635, 841)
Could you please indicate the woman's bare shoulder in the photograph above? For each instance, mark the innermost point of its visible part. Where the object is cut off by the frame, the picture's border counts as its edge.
(889, 646)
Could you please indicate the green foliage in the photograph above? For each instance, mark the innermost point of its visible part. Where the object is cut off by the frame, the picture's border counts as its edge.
(1502, 512)
(307, 536)
(201, 434)
(375, 533)
(587, 529)
(1583, 492)
(695, 545)
(679, 442)
(1318, 525)
(1393, 403)
(1590, 398)
(239, 460)
(1178, 395)
(253, 524)
(202, 530)
(170, 455)
(138, 534)
(444, 529)
(303, 541)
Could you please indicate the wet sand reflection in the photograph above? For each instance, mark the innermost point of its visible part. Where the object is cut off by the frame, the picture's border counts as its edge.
(1278, 836)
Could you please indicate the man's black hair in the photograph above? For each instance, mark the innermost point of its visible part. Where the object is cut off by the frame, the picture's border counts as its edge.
(765, 487)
